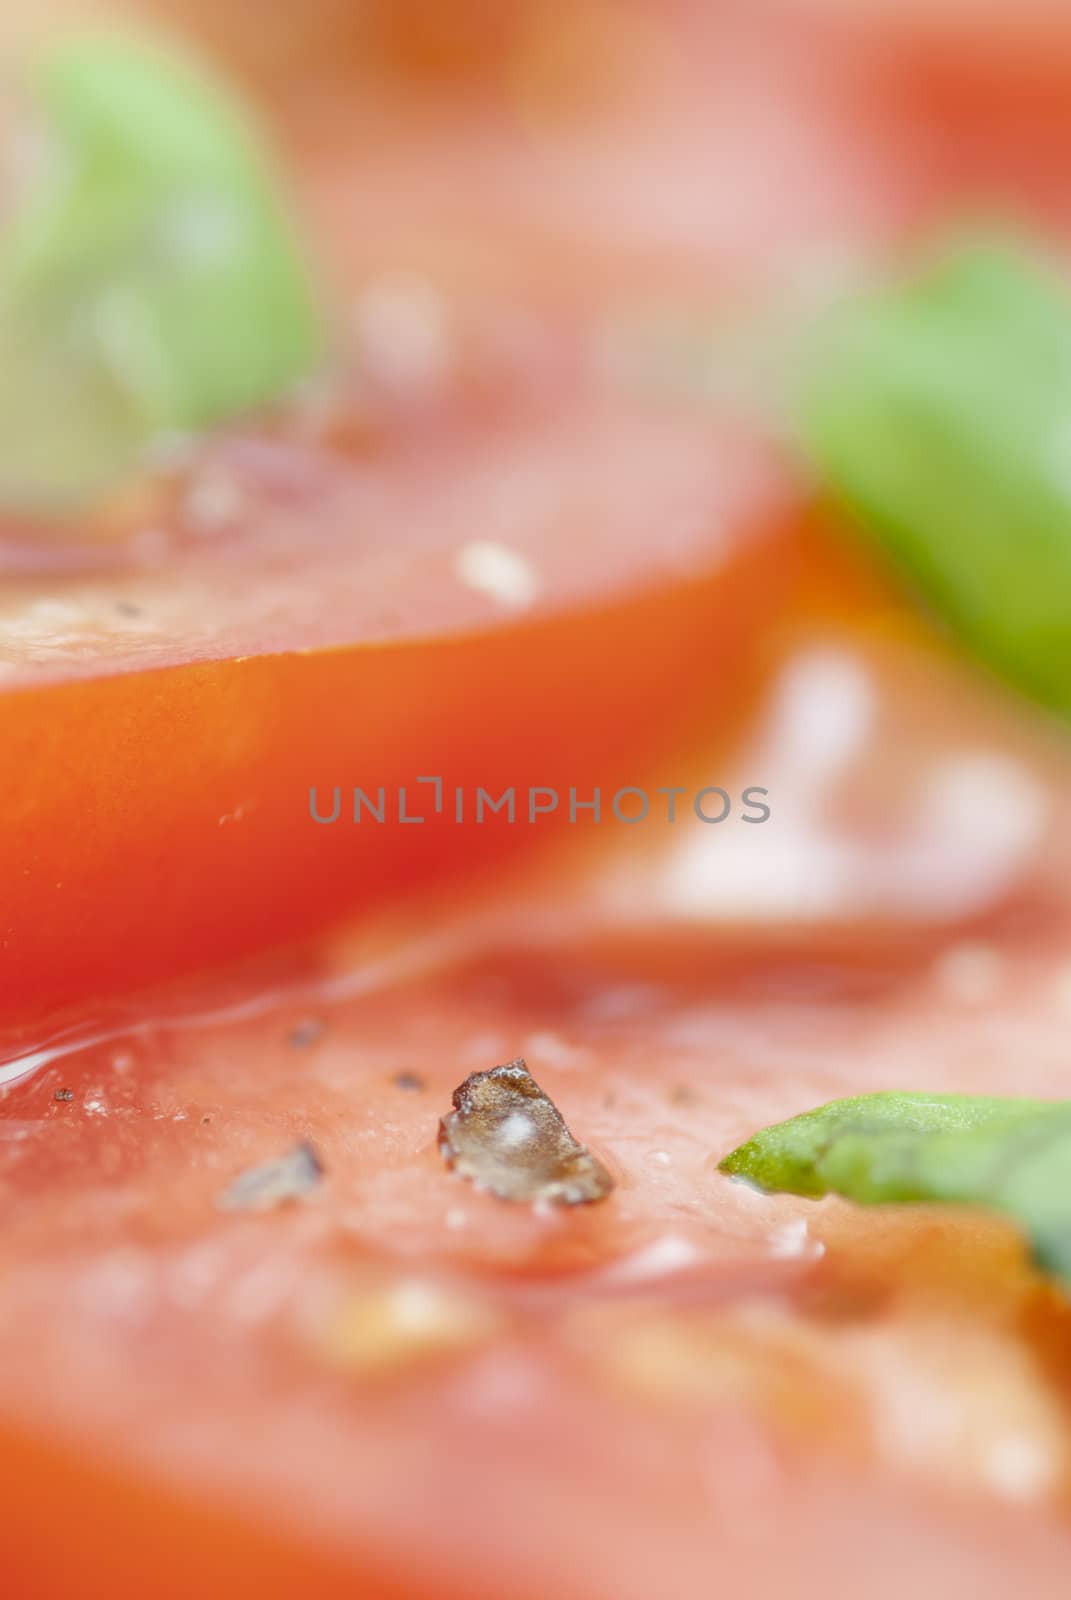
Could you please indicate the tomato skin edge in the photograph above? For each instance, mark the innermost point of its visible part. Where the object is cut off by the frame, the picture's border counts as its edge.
(153, 823)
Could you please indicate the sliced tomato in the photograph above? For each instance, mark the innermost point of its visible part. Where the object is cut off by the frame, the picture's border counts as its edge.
(300, 607)
(400, 1383)
(397, 1385)
(162, 729)
(480, 559)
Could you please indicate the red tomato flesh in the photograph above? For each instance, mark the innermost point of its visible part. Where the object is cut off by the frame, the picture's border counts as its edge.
(399, 1378)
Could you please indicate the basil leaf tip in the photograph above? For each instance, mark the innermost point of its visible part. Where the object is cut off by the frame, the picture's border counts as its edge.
(150, 280)
(1012, 1156)
(937, 411)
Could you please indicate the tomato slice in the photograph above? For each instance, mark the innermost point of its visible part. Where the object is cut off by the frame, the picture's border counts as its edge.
(400, 1380)
(313, 603)
(163, 730)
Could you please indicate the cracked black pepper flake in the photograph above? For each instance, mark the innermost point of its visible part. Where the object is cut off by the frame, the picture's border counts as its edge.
(273, 1183)
(408, 1080)
(63, 1094)
(507, 1136)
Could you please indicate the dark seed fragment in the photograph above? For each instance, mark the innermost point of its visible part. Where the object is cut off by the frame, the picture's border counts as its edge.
(63, 1094)
(507, 1136)
(407, 1080)
(274, 1183)
(306, 1033)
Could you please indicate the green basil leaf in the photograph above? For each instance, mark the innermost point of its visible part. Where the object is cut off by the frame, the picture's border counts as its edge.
(1011, 1156)
(150, 282)
(938, 412)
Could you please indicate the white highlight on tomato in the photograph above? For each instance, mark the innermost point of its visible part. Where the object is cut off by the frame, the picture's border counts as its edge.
(395, 1325)
(1019, 1467)
(969, 972)
(498, 572)
(552, 1050)
(403, 336)
(214, 501)
(660, 1259)
(792, 1242)
(863, 823)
